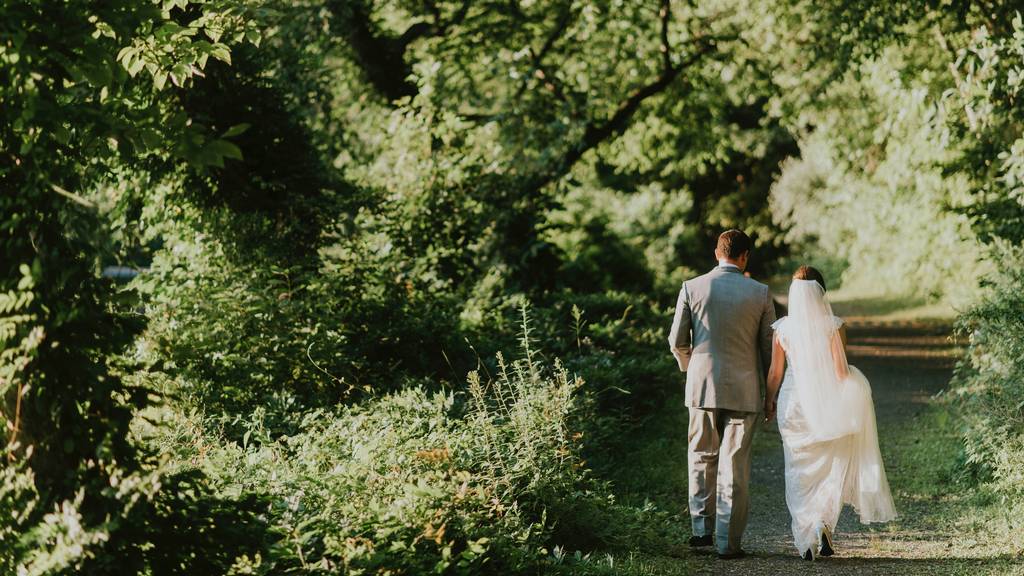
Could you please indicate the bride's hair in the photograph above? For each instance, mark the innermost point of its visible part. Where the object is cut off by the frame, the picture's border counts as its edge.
(809, 273)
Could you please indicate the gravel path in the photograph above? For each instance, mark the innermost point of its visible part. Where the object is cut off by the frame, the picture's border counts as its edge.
(907, 363)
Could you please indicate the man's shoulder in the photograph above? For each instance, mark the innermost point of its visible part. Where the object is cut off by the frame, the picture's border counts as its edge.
(698, 279)
(736, 286)
(718, 273)
(699, 282)
(760, 286)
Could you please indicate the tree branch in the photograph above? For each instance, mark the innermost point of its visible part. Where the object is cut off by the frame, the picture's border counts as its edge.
(434, 11)
(595, 133)
(382, 55)
(665, 14)
(537, 65)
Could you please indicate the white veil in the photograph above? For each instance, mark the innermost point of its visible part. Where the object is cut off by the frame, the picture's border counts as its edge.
(831, 403)
(835, 399)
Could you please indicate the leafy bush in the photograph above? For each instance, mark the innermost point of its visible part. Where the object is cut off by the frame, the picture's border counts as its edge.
(990, 379)
(18, 500)
(623, 241)
(238, 331)
(158, 523)
(486, 480)
(990, 384)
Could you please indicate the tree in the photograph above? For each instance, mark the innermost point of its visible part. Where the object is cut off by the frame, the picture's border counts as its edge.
(83, 89)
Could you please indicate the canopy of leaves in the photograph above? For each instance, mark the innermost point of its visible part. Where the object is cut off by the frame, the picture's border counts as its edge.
(337, 208)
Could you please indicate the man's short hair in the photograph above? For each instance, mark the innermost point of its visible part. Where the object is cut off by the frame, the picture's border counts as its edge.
(733, 243)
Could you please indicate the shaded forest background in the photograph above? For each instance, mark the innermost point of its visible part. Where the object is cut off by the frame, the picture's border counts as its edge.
(342, 208)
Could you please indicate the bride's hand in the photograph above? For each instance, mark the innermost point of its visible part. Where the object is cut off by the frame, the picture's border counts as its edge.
(769, 409)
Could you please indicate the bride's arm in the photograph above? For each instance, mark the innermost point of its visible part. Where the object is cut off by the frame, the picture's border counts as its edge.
(775, 374)
(839, 354)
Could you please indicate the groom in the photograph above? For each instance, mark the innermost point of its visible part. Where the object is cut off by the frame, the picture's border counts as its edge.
(722, 338)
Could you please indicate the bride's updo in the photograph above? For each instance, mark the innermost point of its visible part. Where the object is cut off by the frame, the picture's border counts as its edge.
(809, 273)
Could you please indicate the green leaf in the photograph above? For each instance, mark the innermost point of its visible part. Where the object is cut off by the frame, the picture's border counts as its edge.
(124, 53)
(168, 29)
(27, 280)
(236, 130)
(215, 151)
(254, 37)
(180, 73)
(212, 34)
(150, 138)
(159, 80)
(61, 134)
(221, 52)
(136, 67)
(98, 75)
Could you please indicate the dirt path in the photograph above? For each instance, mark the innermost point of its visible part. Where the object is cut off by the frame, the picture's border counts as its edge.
(907, 363)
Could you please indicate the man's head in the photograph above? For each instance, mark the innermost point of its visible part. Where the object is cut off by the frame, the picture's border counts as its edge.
(734, 247)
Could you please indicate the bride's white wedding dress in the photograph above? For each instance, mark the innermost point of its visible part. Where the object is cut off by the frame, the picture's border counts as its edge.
(827, 421)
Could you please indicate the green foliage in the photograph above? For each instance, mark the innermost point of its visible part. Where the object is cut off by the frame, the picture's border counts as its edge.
(511, 112)
(988, 81)
(870, 187)
(988, 85)
(81, 496)
(337, 203)
(161, 524)
(623, 241)
(236, 335)
(415, 482)
(18, 500)
(990, 391)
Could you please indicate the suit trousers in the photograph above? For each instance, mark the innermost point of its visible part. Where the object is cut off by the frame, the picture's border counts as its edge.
(718, 462)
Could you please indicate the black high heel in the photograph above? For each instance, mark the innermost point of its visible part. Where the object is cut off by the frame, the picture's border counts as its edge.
(826, 542)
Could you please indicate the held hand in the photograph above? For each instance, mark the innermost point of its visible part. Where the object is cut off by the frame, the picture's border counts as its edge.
(769, 409)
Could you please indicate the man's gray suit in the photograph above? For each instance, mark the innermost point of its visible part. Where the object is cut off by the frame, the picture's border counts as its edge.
(721, 336)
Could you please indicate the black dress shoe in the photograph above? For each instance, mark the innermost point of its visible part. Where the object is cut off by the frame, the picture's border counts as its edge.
(808, 555)
(699, 541)
(733, 555)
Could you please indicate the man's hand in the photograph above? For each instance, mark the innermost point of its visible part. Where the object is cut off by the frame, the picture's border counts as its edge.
(769, 409)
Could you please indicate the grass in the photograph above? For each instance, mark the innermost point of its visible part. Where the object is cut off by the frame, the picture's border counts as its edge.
(632, 563)
(891, 309)
(938, 498)
(648, 468)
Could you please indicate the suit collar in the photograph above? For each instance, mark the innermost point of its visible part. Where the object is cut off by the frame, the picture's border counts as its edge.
(729, 268)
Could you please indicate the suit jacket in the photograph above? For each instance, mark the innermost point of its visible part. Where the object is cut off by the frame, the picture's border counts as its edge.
(722, 338)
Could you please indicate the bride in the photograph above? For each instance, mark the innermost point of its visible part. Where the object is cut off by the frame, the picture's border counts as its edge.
(827, 421)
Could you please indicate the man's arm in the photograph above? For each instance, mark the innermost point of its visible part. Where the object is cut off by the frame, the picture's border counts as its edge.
(765, 329)
(775, 375)
(679, 337)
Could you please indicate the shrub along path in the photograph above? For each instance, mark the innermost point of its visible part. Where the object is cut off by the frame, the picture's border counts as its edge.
(943, 523)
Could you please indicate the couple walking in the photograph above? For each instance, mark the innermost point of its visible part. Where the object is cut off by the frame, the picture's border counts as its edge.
(726, 338)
